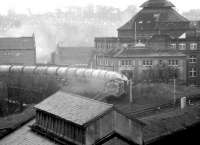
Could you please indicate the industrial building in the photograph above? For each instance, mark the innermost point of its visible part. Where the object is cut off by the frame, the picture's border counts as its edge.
(73, 56)
(18, 50)
(157, 33)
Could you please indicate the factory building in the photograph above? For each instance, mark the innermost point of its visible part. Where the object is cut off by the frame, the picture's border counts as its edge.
(72, 119)
(18, 50)
(157, 33)
(72, 56)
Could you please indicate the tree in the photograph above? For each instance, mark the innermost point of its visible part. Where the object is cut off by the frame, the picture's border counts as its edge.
(160, 73)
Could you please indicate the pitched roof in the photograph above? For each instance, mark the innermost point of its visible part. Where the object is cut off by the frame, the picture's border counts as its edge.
(149, 18)
(156, 15)
(166, 123)
(157, 3)
(24, 136)
(145, 52)
(17, 43)
(73, 108)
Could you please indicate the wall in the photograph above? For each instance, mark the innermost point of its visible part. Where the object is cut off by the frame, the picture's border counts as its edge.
(23, 57)
(138, 67)
(114, 121)
(60, 127)
(99, 128)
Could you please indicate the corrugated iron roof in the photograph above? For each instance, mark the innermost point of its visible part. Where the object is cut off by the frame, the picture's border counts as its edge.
(73, 108)
(17, 43)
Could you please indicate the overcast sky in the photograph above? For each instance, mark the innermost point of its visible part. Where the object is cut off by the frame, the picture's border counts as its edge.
(41, 6)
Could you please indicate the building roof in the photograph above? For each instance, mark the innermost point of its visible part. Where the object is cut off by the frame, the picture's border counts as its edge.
(166, 123)
(157, 3)
(145, 52)
(17, 43)
(73, 108)
(149, 18)
(24, 136)
(157, 15)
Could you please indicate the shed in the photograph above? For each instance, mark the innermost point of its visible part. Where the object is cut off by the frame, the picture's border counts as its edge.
(78, 120)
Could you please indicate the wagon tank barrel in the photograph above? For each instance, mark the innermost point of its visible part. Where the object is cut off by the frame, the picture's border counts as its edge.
(84, 78)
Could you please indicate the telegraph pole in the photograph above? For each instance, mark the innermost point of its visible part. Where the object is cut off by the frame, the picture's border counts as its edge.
(131, 91)
(135, 35)
(174, 91)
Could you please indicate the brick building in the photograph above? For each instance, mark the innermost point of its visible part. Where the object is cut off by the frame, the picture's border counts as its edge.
(73, 56)
(18, 50)
(156, 33)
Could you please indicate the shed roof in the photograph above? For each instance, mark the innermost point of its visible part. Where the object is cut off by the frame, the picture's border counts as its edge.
(74, 108)
(17, 43)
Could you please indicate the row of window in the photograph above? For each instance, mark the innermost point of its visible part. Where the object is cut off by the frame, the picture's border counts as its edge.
(104, 45)
(11, 54)
(59, 127)
(127, 63)
(104, 61)
(182, 46)
(148, 62)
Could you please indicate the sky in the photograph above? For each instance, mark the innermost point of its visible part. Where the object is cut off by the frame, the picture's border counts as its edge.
(42, 6)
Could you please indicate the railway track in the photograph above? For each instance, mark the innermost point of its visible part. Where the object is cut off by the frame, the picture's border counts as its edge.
(159, 108)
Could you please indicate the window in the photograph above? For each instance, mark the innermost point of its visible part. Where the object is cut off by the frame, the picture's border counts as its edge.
(192, 59)
(106, 62)
(182, 46)
(193, 46)
(160, 62)
(173, 62)
(101, 61)
(173, 45)
(147, 62)
(126, 63)
(193, 72)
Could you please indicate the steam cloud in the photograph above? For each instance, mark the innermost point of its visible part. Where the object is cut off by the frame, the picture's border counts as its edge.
(75, 26)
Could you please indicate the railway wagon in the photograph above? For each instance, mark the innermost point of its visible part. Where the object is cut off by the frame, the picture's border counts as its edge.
(48, 79)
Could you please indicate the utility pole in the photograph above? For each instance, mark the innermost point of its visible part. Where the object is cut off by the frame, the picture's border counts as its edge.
(131, 91)
(174, 91)
(135, 35)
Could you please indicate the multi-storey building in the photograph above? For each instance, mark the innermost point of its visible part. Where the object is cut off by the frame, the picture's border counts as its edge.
(156, 33)
(19, 50)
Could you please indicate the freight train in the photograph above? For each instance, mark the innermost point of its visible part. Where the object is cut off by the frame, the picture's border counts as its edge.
(75, 80)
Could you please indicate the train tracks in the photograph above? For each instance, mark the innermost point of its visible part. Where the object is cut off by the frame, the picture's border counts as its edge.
(159, 108)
